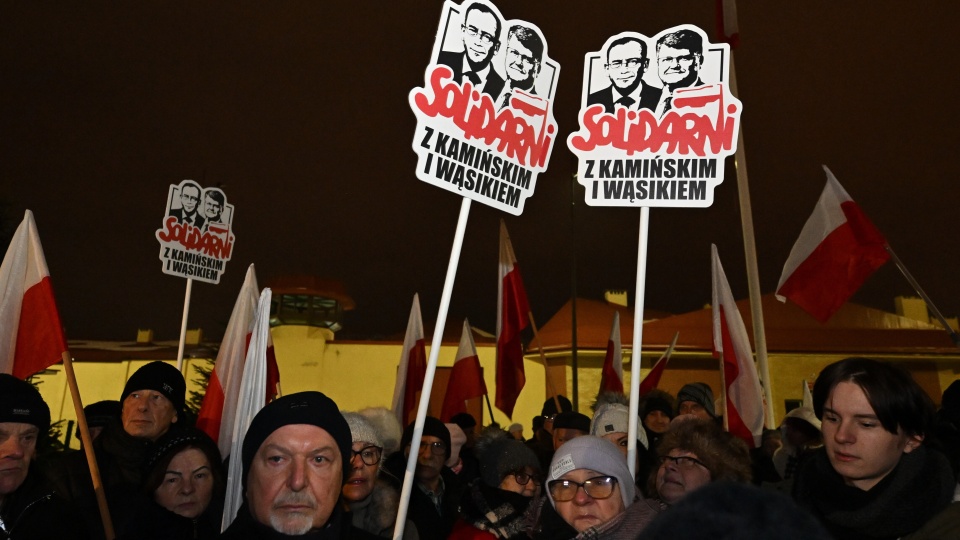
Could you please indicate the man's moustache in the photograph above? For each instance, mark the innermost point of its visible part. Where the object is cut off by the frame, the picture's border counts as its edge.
(296, 498)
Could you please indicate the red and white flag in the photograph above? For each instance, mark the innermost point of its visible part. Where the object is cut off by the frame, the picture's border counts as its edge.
(744, 410)
(512, 313)
(727, 26)
(31, 336)
(219, 408)
(611, 377)
(466, 377)
(656, 372)
(413, 366)
(837, 251)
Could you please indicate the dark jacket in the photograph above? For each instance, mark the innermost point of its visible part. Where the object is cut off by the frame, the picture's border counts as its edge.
(337, 528)
(35, 511)
(155, 522)
(431, 523)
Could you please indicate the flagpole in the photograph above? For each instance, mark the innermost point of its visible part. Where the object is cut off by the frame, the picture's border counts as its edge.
(543, 359)
(431, 369)
(636, 352)
(183, 324)
(750, 252)
(489, 410)
(88, 447)
(916, 286)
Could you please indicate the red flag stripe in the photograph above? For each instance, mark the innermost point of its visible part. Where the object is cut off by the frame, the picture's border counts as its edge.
(40, 337)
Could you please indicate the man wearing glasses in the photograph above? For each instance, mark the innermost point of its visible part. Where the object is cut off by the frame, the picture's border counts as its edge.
(189, 202)
(523, 56)
(481, 41)
(679, 58)
(626, 63)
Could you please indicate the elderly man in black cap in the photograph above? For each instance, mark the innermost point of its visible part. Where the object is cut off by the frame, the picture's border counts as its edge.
(696, 399)
(28, 507)
(151, 405)
(293, 472)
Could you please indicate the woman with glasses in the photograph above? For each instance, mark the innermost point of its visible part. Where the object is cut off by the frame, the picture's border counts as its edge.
(875, 476)
(372, 503)
(591, 494)
(694, 453)
(494, 505)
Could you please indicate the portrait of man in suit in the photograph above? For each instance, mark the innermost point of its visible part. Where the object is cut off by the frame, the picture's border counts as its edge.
(481, 40)
(626, 63)
(189, 211)
(213, 202)
(524, 53)
(679, 59)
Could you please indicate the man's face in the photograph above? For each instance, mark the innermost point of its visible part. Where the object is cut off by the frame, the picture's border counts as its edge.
(147, 414)
(657, 421)
(18, 445)
(295, 479)
(678, 68)
(211, 208)
(521, 67)
(361, 477)
(675, 479)
(430, 458)
(189, 197)
(694, 408)
(479, 37)
(562, 435)
(625, 66)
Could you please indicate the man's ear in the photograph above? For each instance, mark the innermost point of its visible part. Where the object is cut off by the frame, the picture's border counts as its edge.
(175, 418)
(913, 442)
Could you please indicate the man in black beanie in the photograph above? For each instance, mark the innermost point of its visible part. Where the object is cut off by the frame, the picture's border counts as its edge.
(293, 456)
(151, 405)
(28, 508)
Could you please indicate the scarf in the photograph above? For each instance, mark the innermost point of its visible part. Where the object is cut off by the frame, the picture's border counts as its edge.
(495, 510)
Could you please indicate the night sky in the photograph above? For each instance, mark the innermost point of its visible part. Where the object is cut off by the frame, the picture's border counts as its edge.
(298, 111)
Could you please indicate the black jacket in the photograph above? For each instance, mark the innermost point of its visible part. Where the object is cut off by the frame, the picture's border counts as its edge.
(35, 511)
(244, 527)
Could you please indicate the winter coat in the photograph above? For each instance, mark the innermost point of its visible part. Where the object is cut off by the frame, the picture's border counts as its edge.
(338, 527)
(377, 514)
(34, 510)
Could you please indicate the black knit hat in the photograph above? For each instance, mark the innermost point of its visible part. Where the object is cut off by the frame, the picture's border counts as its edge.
(572, 420)
(310, 408)
(505, 456)
(697, 392)
(550, 406)
(432, 427)
(160, 377)
(657, 404)
(21, 402)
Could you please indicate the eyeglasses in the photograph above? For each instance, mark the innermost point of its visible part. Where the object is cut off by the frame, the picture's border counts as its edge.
(370, 455)
(676, 59)
(473, 31)
(514, 55)
(598, 487)
(436, 448)
(629, 62)
(550, 418)
(523, 478)
(682, 462)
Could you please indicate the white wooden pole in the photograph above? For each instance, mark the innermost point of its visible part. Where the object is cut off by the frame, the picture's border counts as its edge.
(637, 341)
(183, 324)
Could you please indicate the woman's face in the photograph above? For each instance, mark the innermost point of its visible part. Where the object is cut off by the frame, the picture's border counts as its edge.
(680, 473)
(859, 448)
(187, 484)
(583, 511)
(657, 421)
(511, 482)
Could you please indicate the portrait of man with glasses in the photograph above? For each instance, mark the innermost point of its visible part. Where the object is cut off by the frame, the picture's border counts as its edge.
(679, 59)
(626, 62)
(481, 40)
(523, 56)
(188, 211)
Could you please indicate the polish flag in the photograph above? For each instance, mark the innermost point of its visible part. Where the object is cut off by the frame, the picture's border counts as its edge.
(727, 26)
(653, 378)
(219, 408)
(837, 251)
(466, 377)
(413, 366)
(611, 378)
(744, 410)
(512, 313)
(31, 336)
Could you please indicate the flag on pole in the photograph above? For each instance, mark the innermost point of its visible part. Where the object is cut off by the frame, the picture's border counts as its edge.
(807, 396)
(512, 313)
(744, 410)
(611, 377)
(837, 251)
(413, 366)
(250, 400)
(219, 408)
(653, 378)
(31, 336)
(727, 26)
(466, 377)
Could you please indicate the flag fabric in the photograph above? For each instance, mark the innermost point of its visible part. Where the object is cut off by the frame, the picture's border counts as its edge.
(412, 368)
(653, 378)
(728, 29)
(744, 407)
(219, 408)
(807, 396)
(250, 400)
(837, 251)
(512, 311)
(611, 377)
(31, 335)
(466, 377)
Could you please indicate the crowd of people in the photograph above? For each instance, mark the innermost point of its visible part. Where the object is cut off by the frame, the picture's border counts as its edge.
(871, 460)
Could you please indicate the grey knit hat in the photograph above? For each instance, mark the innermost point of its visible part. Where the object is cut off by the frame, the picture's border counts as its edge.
(361, 429)
(594, 453)
(700, 393)
(615, 418)
(505, 456)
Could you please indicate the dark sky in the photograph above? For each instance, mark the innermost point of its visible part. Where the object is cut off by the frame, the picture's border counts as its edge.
(299, 111)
